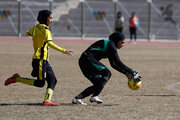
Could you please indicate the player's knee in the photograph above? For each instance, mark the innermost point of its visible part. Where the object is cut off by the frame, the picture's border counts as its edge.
(106, 74)
(39, 83)
(42, 84)
(54, 81)
(101, 83)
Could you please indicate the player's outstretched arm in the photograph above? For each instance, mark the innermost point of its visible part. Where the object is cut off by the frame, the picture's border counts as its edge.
(54, 46)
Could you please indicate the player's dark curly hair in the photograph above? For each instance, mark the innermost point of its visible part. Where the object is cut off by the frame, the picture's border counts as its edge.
(43, 15)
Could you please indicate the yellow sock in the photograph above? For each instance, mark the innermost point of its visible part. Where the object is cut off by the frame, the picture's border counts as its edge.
(48, 95)
(25, 80)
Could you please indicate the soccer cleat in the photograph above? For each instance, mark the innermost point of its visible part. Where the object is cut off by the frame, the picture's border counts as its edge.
(96, 99)
(49, 103)
(78, 101)
(11, 79)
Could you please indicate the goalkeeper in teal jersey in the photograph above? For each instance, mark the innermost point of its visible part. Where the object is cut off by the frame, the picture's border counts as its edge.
(96, 72)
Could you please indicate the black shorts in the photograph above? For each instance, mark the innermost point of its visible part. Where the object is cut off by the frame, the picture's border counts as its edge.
(39, 68)
(43, 71)
(90, 66)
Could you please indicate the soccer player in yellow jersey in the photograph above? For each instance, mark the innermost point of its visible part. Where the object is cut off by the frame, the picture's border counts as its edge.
(42, 40)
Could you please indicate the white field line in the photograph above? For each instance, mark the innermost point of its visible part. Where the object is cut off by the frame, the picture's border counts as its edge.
(171, 87)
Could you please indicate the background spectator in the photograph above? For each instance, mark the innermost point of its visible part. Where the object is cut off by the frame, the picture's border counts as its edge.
(119, 22)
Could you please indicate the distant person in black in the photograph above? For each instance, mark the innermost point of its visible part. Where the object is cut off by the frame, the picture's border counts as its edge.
(97, 72)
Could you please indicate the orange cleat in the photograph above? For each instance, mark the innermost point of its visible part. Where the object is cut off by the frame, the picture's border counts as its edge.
(11, 79)
(49, 103)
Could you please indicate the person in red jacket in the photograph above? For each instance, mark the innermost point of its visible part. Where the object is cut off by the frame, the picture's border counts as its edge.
(133, 24)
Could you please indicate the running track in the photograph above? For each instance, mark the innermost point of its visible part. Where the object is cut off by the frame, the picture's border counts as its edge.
(77, 41)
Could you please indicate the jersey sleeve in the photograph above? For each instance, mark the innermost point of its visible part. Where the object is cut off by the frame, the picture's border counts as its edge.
(48, 35)
(115, 61)
(30, 32)
(50, 43)
(54, 46)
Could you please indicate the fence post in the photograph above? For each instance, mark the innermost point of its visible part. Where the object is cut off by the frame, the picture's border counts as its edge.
(19, 18)
(149, 19)
(115, 10)
(82, 19)
(51, 9)
(115, 7)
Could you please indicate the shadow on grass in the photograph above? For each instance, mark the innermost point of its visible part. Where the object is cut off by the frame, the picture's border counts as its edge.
(61, 104)
(90, 104)
(70, 104)
(14, 104)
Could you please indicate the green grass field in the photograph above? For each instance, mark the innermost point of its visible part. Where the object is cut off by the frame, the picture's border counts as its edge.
(157, 99)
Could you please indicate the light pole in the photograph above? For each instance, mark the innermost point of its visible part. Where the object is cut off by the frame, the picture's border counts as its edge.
(19, 18)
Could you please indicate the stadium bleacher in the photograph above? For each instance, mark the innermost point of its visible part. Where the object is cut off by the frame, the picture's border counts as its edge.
(69, 24)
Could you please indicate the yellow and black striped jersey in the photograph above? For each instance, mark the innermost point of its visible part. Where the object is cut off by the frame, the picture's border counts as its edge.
(42, 38)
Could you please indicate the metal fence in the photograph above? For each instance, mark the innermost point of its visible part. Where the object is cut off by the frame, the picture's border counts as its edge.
(92, 18)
